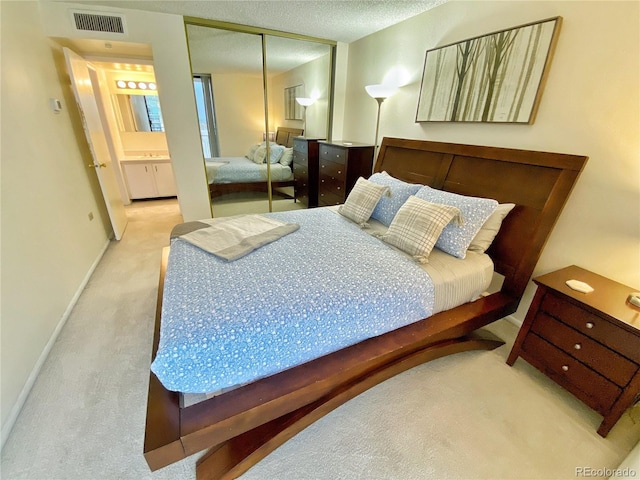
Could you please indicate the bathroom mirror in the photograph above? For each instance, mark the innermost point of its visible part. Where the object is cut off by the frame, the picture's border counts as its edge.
(138, 113)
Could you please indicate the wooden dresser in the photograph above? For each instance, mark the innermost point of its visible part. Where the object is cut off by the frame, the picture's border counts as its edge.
(305, 170)
(589, 343)
(341, 163)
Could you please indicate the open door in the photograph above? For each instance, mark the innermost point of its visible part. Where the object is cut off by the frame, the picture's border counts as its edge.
(94, 131)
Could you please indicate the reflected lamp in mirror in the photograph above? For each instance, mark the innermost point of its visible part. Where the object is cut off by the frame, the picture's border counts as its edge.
(305, 102)
(380, 93)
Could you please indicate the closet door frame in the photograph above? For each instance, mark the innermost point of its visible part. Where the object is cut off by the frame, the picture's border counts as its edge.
(264, 33)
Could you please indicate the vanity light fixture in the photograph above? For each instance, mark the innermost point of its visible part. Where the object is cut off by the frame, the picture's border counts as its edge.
(133, 85)
(380, 93)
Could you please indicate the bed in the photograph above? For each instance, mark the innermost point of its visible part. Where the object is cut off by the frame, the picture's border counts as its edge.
(240, 174)
(239, 427)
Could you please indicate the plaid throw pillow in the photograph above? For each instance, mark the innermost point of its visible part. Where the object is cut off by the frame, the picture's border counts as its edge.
(417, 226)
(362, 200)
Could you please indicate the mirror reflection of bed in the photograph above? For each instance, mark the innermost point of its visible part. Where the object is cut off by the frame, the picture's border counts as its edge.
(239, 184)
(250, 75)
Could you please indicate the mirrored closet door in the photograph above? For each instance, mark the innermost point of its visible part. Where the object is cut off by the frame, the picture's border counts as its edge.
(256, 91)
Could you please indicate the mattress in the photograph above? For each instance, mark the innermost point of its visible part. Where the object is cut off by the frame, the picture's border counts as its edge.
(456, 281)
(327, 286)
(241, 169)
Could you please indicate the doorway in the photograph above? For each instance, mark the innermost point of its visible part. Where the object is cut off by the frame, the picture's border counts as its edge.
(125, 93)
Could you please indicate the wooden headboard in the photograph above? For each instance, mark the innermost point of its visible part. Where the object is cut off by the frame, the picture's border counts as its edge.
(285, 135)
(539, 183)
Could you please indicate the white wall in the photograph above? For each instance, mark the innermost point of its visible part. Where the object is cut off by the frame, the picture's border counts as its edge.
(239, 103)
(590, 106)
(48, 242)
(166, 35)
(314, 77)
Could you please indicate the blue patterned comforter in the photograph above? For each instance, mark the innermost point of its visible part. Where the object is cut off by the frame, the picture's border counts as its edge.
(241, 169)
(322, 288)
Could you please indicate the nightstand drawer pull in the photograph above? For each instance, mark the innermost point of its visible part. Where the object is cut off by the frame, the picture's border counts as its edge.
(589, 325)
(577, 346)
(565, 368)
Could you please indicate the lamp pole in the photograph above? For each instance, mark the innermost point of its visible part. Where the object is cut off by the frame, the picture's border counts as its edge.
(379, 100)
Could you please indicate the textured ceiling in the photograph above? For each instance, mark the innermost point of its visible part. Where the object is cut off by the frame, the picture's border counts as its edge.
(219, 51)
(340, 20)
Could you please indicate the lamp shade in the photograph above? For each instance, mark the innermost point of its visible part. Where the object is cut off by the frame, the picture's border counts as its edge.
(305, 102)
(380, 91)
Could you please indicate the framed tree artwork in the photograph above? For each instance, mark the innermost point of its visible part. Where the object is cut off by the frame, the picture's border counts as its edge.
(495, 78)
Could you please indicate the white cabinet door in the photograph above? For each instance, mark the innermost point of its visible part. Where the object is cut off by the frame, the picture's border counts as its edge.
(140, 180)
(165, 182)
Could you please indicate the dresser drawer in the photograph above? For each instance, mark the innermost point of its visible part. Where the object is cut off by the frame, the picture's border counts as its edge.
(333, 185)
(601, 359)
(300, 169)
(584, 383)
(593, 326)
(334, 154)
(333, 169)
(300, 158)
(327, 199)
(300, 146)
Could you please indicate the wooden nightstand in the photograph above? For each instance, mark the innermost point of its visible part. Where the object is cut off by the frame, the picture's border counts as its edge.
(589, 343)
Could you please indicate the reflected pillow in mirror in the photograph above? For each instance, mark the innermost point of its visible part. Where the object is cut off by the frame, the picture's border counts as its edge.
(252, 151)
(287, 157)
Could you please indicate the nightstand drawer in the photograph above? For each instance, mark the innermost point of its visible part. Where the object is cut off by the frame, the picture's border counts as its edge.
(598, 357)
(593, 326)
(333, 154)
(587, 385)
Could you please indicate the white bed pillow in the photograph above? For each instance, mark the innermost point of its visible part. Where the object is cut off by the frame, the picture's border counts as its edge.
(252, 152)
(418, 225)
(485, 236)
(455, 239)
(287, 157)
(361, 201)
(261, 154)
(400, 191)
(276, 153)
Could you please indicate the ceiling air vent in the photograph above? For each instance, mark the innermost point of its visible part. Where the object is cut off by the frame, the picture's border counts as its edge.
(98, 22)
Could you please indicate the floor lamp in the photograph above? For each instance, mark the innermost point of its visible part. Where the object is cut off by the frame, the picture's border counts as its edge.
(305, 102)
(380, 93)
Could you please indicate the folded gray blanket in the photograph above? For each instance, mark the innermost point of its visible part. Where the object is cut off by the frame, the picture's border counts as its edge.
(231, 238)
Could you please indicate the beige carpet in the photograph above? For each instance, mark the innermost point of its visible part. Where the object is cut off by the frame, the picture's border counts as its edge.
(467, 416)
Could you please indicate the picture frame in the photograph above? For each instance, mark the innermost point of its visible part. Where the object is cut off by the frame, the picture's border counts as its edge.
(492, 78)
(292, 109)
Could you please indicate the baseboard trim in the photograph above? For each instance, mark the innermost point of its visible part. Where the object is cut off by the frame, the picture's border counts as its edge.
(24, 394)
(514, 320)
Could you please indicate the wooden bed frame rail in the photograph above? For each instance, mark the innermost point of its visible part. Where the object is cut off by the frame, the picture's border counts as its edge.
(240, 427)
